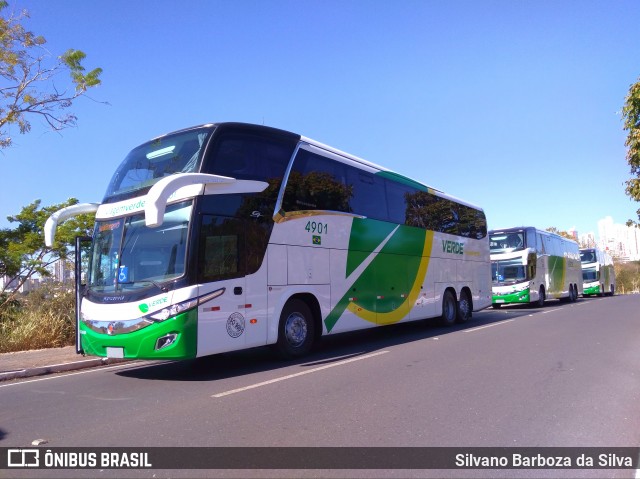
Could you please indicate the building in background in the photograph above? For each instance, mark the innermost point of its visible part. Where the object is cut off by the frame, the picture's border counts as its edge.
(63, 271)
(9, 284)
(619, 240)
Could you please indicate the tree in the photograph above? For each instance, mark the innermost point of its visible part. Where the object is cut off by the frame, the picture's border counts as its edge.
(28, 71)
(553, 229)
(631, 118)
(22, 250)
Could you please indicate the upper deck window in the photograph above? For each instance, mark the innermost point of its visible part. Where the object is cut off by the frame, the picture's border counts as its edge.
(506, 242)
(145, 165)
(588, 256)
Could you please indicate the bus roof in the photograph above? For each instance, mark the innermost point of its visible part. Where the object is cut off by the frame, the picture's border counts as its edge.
(538, 230)
(388, 173)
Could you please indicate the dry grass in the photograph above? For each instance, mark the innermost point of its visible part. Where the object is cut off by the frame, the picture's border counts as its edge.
(44, 319)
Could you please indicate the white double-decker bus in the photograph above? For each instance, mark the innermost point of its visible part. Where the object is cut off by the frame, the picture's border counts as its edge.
(598, 274)
(230, 236)
(530, 265)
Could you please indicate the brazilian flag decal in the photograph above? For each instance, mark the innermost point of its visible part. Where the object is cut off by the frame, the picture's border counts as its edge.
(317, 239)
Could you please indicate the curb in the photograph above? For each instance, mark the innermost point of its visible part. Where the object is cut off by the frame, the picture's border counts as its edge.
(58, 368)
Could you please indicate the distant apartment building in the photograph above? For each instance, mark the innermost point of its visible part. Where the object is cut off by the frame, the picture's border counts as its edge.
(63, 271)
(621, 241)
(10, 284)
(588, 240)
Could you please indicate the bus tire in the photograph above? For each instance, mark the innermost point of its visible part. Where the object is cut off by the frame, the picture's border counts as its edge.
(496, 305)
(612, 288)
(449, 308)
(541, 298)
(465, 308)
(296, 331)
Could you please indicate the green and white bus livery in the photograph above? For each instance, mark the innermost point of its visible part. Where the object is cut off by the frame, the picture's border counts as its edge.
(530, 265)
(598, 274)
(229, 236)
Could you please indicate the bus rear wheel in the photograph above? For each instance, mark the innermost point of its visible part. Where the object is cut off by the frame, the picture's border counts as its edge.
(465, 308)
(296, 331)
(449, 309)
(541, 297)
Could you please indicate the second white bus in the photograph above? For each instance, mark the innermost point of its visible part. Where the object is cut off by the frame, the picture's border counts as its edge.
(530, 265)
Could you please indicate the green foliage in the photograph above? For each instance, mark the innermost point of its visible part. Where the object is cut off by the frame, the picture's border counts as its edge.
(631, 118)
(44, 319)
(27, 70)
(564, 234)
(22, 250)
(627, 277)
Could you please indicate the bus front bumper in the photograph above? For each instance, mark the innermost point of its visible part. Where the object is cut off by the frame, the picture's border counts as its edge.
(516, 297)
(175, 338)
(592, 289)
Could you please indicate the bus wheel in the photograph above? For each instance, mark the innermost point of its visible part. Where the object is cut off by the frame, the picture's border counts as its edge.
(613, 290)
(573, 293)
(496, 305)
(541, 297)
(465, 309)
(449, 309)
(296, 332)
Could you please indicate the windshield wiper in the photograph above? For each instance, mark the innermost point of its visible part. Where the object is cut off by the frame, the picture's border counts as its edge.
(161, 287)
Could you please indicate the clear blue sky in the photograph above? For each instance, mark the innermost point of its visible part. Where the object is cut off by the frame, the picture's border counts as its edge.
(511, 105)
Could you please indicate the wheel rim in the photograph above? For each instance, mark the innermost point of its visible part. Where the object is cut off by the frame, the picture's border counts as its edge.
(295, 329)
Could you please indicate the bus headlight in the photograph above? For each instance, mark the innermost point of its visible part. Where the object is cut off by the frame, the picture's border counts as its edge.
(173, 310)
(178, 308)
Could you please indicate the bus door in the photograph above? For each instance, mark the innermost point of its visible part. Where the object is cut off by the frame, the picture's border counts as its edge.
(222, 322)
(82, 255)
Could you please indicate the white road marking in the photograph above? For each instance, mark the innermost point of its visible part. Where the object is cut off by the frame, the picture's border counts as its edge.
(63, 375)
(302, 373)
(487, 326)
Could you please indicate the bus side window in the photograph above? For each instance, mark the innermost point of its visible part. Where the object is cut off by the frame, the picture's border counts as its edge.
(368, 197)
(220, 243)
(473, 223)
(540, 244)
(449, 219)
(397, 195)
(316, 183)
(249, 157)
(530, 238)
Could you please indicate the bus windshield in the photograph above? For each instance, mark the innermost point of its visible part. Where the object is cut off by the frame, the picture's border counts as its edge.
(506, 242)
(590, 274)
(148, 163)
(127, 255)
(588, 256)
(508, 271)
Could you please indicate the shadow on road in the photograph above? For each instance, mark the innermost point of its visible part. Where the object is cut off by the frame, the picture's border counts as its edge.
(330, 349)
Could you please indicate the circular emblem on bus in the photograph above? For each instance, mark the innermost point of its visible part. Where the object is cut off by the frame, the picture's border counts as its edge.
(235, 325)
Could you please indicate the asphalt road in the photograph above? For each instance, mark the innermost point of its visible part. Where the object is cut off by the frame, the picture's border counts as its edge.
(563, 375)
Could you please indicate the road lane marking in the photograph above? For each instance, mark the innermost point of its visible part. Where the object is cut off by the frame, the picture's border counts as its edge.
(551, 310)
(295, 375)
(487, 326)
(63, 375)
